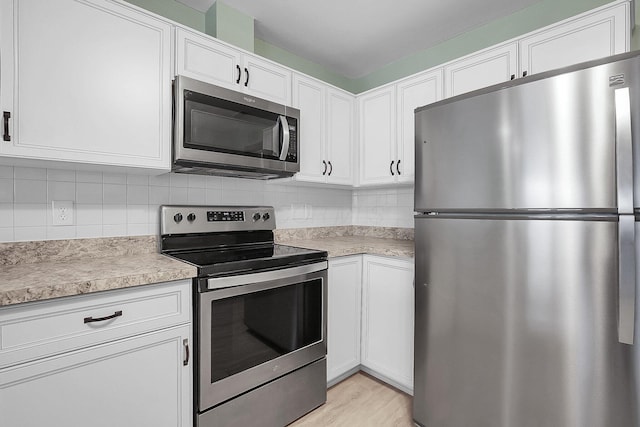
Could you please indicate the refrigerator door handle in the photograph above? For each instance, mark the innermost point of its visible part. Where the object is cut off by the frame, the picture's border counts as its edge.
(626, 279)
(624, 157)
(626, 225)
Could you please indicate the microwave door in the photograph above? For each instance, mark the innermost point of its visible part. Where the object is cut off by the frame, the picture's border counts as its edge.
(277, 142)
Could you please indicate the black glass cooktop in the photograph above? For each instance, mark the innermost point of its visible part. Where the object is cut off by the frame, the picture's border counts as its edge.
(238, 259)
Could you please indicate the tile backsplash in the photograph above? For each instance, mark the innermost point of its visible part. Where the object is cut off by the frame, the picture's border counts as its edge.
(107, 204)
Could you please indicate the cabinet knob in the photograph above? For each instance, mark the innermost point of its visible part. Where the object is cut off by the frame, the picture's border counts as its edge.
(239, 74)
(391, 167)
(524, 74)
(513, 76)
(398, 167)
(324, 172)
(246, 82)
(6, 115)
(330, 168)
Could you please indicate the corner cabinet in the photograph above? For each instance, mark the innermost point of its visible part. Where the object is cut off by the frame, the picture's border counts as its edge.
(388, 320)
(387, 128)
(326, 132)
(85, 82)
(343, 329)
(131, 368)
(204, 58)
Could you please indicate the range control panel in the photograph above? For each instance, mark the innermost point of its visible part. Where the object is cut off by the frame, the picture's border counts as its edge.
(184, 219)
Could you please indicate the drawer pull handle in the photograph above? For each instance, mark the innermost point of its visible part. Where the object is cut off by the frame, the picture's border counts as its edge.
(102, 319)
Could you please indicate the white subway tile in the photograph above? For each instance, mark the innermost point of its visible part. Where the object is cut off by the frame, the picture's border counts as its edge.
(60, 232)
(179, 180)
(137, 214)
(83, 176)
(196, 181)
(114, 194)
(29, 214)
(137, 179)
(114, 230)
(22, 234)
(213, 196)
(154, 214)
(114, 178)
(59, 190)
(6, 234)
(159, 195)
(114, 215)
(88, 231)
(137, 194)
(6, 190)
(137, 229)
(89, 214)
(88, 192)
(6, 172)
(178, 196)
(61, 175)
(6, 214)
(30, 191)
(29, 173)
(213, 182)
(196, 196)
(160, 180)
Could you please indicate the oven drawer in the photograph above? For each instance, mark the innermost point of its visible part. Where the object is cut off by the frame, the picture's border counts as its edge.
(35, 330)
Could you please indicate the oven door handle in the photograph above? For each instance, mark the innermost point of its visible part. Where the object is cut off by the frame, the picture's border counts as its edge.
(266, 276)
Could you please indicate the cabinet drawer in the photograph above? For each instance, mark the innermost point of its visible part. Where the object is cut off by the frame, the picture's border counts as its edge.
(35, 330)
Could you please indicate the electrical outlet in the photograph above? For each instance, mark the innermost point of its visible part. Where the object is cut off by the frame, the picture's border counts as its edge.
(62, 212)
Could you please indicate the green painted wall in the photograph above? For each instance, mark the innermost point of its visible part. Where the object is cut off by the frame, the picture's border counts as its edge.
(305, 66)
(233, 27)
(230, 25)
(173, 10)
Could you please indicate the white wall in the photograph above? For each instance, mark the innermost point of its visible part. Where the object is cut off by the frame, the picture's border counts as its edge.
(126, 205)
(386, 207)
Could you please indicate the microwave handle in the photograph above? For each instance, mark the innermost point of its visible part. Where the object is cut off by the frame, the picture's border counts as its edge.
(285, 137)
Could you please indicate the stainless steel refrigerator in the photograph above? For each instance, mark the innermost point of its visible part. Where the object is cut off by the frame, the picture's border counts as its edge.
(526, 197)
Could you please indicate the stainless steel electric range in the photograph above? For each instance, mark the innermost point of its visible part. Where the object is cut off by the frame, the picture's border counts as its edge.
(259, 315)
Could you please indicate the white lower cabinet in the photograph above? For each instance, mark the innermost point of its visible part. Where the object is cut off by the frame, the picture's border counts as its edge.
(370, 319)
(387, 320)
(139, 381)
(105, 372)
(345, 286)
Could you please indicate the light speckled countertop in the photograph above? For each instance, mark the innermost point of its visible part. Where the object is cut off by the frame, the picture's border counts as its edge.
(40, 270)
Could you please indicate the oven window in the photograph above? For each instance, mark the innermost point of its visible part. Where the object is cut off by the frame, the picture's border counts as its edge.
(251, 329)
(226, 127)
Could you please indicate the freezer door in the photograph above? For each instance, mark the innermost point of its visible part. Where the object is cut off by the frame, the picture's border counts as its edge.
(540, 144)
(516, 325)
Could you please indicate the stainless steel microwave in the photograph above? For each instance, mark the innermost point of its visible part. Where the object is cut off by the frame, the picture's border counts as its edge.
(218, 131)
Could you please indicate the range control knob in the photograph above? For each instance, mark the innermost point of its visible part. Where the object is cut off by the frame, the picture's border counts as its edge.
(256, 216)
(266, 216)
(177, 217)
(191, 217)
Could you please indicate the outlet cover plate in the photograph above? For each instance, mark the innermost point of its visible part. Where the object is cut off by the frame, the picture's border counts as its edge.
(62, 212)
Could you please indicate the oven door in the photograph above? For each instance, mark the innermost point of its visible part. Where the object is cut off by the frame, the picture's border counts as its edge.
(257, 327)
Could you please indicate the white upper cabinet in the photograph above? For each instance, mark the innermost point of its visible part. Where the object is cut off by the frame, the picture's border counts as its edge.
(603, 32)
(86, 82)
(387, 128)
(340, 136)
(377, 110)
(413, 93)
(485, 68)
(326, 132)
(204, 58)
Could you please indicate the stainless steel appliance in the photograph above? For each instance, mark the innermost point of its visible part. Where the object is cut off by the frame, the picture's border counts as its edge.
(218, 131)
(259, 315)
(525, 196)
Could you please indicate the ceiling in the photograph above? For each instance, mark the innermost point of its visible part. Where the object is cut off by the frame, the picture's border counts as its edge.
(356, 37)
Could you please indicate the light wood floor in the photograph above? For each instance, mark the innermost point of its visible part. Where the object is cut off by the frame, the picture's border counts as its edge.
(361, 400)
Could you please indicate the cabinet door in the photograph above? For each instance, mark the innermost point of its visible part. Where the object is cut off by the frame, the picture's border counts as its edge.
(486, 68)
(377, 136)
(387, 319)
(140, 381)
(309, 98)
(86, 81)
(343, 320)
(266, 80)
(340, 119)
(596, 35)
(413, 93)
(202, 58)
